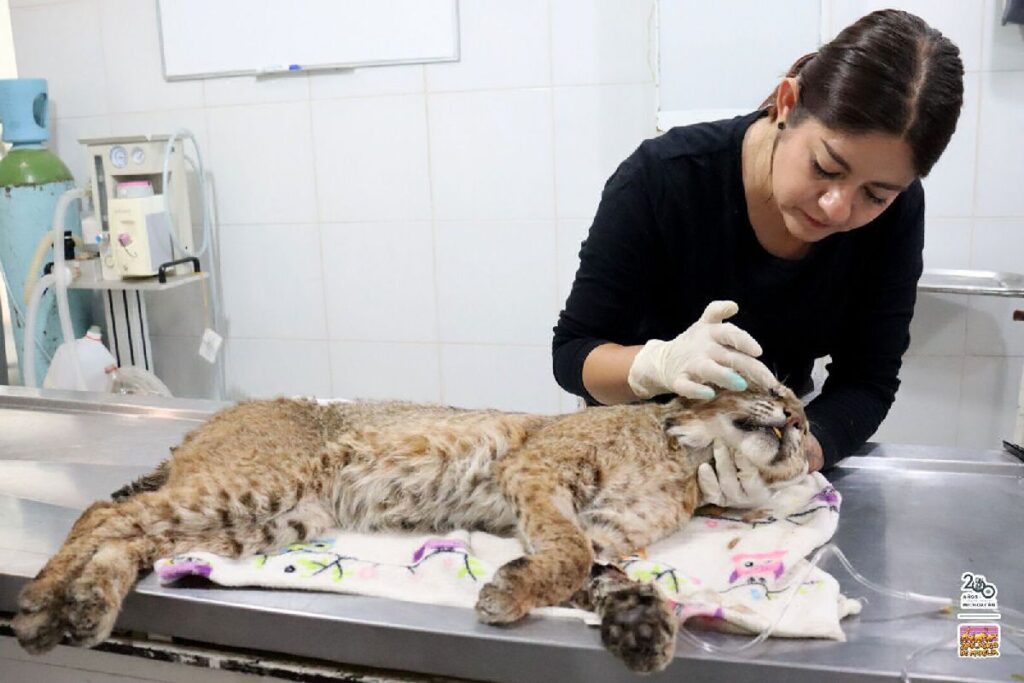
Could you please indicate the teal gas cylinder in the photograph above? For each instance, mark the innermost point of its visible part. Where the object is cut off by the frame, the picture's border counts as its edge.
(31, 180)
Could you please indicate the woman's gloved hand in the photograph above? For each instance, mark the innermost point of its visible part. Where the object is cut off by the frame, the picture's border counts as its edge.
(735, 482)
(710, 351)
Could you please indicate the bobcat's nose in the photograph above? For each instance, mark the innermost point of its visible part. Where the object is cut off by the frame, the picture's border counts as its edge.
(791, 419)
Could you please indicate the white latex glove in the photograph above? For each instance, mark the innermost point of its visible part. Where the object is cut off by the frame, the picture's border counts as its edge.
(735, 482)
(709, 351)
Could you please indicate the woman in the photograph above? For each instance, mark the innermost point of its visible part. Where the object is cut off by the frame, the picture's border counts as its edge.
(808, 214)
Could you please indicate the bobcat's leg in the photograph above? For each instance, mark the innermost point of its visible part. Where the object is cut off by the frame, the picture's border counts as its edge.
(615, 534)
(80, 590)
(39, 623)
(93, 599)
(623, 520)
(559, 562)
(638, 624)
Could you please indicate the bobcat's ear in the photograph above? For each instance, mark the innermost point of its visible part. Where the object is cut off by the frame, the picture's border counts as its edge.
(689, 431)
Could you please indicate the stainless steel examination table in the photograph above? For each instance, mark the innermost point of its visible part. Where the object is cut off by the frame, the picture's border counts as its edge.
(913, 518)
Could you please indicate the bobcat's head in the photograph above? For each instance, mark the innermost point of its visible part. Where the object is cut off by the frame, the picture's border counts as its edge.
(765, 425)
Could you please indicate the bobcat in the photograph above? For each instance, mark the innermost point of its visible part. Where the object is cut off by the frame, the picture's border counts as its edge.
(601, 483)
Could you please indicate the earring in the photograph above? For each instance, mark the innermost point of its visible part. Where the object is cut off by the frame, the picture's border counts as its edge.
(782, 125)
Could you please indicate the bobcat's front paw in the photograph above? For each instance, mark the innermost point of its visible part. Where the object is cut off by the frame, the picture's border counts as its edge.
(91, 612)
(499, 605)
(639, 627)
(506, 598)
(39, 624)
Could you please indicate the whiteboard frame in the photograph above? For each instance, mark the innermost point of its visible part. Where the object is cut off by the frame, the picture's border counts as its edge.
(336, 66)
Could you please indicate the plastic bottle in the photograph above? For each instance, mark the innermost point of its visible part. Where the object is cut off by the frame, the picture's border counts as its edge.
(97, 364)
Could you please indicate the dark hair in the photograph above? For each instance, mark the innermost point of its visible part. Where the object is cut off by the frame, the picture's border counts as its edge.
(889, 72)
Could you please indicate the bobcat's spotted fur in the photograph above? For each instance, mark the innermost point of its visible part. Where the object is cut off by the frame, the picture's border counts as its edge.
(603, 482)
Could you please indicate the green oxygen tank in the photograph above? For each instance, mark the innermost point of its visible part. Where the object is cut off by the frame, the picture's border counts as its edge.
(32, 179)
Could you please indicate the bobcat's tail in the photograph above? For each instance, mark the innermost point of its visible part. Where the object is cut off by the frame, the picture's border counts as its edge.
(147, 482)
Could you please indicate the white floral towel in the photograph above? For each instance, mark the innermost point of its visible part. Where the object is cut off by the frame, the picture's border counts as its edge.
(730, 568)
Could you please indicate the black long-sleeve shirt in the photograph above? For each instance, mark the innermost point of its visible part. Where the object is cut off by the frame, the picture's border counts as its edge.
(671, 234)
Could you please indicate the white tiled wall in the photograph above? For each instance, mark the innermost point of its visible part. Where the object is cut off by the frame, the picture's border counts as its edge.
(412, 231)
(404, 232)
(381, 281)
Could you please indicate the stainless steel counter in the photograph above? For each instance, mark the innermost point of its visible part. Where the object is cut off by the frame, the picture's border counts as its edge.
(913, 518)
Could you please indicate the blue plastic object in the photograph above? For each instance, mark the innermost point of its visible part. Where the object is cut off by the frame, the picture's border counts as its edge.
(24, 111)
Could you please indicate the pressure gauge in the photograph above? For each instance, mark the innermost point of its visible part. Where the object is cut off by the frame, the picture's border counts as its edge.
(138, 155)
(119, 156)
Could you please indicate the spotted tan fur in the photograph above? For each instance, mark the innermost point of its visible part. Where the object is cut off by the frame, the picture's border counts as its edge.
(602, 482)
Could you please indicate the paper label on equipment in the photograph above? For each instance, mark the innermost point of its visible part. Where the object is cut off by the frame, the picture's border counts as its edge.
(210, 345)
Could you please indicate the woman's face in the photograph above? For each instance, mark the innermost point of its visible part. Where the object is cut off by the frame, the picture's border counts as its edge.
(826, 182)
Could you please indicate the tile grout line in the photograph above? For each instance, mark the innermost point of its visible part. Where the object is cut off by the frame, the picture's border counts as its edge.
(103, 54)
(433, 240)
(554, 161)
(977, 137)
(225, 365)
(320, 241)
(296, 100)
(974, 217)
(396, 342)
(554, 178)
(577, 217)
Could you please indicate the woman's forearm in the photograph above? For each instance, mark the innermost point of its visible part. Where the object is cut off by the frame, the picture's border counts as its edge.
(606, 373)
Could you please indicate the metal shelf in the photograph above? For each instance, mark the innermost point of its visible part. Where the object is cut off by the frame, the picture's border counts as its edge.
(974, 282)
(149, 284)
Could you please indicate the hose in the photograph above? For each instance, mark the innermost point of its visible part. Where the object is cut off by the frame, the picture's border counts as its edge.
(36, 265)
(28, 358)
(942, 604)
(64, 279)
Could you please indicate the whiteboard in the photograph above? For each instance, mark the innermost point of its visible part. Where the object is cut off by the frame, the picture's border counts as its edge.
(722, 59)
(210, 38)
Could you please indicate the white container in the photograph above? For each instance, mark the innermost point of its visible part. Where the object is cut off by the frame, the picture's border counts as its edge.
(96, 362)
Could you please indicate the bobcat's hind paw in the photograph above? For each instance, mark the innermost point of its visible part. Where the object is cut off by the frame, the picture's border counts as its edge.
(91, 612)
(38, 632)
(639, 627)
(39, 624)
